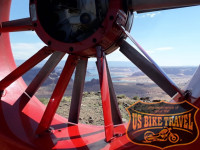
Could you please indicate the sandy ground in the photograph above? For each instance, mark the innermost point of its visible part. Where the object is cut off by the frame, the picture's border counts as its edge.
(127, 89)
(91, 107)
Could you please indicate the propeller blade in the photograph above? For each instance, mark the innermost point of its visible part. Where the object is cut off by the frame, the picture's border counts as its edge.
(153, 5)
(147, 67)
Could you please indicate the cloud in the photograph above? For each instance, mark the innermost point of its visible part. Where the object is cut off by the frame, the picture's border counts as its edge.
(160, 49)
(147, 15)
(150, 52)
(25, 50)
(116, 56)
(164, 49)
(151, 15)
(31, 33)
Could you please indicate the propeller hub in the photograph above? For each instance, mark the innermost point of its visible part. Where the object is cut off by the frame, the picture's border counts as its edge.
(76, 26)
(71, 21)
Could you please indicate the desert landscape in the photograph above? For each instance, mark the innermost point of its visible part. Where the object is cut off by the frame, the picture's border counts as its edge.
(129, 82)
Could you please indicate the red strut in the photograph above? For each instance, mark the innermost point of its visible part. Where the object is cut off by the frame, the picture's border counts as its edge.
(105, 94)
(25, 67)
(57, 94)
(16, 25)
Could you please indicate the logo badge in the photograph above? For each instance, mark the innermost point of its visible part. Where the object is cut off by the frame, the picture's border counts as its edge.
(162, 124)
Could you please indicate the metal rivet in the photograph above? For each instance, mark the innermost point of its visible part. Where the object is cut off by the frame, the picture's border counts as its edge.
(49, 43)
(71, 49)
(94, 40)
(111, 17)
(35, 24)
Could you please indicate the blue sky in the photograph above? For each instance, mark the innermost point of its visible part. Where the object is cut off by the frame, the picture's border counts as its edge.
(171, 37)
